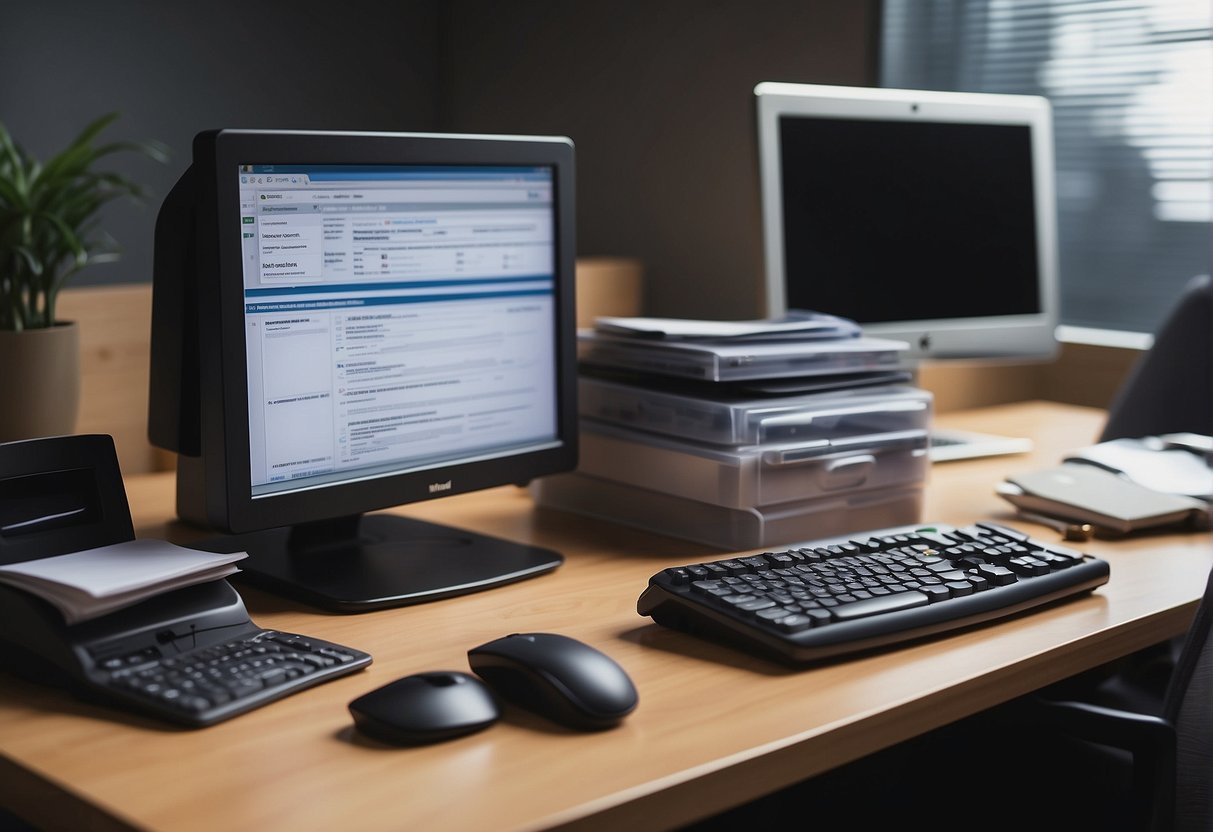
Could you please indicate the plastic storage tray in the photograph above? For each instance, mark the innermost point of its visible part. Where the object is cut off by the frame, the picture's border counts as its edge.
(730, 529)
(731, 418)
(726, 360)
(753, 475)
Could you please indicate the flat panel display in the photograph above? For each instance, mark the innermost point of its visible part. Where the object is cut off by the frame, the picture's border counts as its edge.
(924, 216)
(345, 323)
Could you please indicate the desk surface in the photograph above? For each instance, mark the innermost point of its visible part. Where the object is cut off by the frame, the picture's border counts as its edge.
(714, 728)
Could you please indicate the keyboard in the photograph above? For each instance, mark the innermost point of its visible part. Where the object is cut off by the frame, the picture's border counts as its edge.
(859, 592)
(209, 684)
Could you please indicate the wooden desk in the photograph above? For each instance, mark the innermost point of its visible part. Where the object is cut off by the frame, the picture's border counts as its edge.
(715, 728)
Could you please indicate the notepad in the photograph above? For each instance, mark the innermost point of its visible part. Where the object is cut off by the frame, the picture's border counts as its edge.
(1110, 502)
(93, 582)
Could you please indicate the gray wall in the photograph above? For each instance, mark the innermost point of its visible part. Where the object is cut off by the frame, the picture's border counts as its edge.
(656, 95)
(173, 68)
(658, 98)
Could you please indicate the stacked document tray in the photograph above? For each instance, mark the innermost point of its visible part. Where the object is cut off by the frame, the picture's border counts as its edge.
(742, 467)
(733, 359)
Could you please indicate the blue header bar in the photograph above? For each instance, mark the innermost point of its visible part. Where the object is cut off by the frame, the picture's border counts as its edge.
(354, 303)
(304, 288)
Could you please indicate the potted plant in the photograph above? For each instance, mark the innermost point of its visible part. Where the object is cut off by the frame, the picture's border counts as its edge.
(48, 232)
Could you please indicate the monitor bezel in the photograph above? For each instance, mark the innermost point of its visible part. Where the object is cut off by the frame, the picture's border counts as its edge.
(998, 336)
(226, 487)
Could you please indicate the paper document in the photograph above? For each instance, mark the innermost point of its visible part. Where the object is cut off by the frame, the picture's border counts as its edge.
(92, 582)
(1148, 461)
(801, 326)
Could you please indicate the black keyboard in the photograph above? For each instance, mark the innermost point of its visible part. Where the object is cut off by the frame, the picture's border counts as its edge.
(210, 684)
(851, 594)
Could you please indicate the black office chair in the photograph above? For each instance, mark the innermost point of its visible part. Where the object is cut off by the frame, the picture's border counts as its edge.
(1152, 713)
(1161, 733)
(1170, 388)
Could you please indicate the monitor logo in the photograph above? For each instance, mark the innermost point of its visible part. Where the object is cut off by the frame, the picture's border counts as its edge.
(435, 487)
(924, 341)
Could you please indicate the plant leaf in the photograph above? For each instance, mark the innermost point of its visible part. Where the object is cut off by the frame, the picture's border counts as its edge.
(48, 216)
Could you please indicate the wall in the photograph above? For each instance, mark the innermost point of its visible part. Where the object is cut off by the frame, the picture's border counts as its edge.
(173, 69)
(656, 95)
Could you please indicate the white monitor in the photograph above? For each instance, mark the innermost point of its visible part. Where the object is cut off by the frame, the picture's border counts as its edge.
(927, 217)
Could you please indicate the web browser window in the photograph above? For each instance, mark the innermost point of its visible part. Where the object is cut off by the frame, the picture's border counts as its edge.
(396, 318)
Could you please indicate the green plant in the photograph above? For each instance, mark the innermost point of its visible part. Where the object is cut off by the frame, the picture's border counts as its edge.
(48, 219)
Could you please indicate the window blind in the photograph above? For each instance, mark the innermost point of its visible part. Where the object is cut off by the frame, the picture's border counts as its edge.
(1131, 84)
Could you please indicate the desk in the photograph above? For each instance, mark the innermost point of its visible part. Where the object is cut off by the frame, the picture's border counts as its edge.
(714, 729)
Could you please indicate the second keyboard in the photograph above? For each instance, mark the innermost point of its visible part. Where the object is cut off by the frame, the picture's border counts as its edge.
(851, 594)
(214, 683)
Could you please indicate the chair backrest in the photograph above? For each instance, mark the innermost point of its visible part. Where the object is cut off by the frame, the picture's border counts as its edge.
(1170, 388)
(1189, 707)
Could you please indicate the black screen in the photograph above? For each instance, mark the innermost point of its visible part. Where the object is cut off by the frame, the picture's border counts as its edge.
(908, 220)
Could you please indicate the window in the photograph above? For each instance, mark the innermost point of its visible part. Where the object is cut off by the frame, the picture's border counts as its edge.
(1131, 83)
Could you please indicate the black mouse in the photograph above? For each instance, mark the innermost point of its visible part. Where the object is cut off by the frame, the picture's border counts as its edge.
(559, 677)
(426, 707)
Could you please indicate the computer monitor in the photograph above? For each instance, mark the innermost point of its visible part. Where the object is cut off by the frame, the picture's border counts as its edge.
(927, 217)
(345, 322)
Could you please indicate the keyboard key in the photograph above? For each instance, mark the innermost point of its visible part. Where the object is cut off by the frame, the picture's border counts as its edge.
(878, 605)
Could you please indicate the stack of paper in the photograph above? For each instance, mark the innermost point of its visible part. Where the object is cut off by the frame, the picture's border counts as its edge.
(801, 326)
(93, 582)
(804, 345)
(1148, 461)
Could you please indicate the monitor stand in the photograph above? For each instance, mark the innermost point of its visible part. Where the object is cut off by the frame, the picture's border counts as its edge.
(373, 561)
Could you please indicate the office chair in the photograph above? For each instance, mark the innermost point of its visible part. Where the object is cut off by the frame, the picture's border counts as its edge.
(1166, 731)
(1153, 711)
(1170, 388)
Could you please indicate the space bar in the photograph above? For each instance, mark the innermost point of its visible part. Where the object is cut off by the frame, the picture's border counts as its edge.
(879, 604)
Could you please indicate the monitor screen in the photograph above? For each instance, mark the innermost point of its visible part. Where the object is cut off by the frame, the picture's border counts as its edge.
(347, 322)
(396, 318)
(924, 216)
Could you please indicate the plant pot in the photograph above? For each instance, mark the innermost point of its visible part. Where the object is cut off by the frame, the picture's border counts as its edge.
(40, 369)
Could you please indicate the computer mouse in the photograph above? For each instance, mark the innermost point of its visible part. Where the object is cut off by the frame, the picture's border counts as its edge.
(558, 677)
(426, 707)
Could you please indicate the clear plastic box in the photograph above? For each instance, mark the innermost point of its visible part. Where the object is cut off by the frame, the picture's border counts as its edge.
(729, 360)
(730, 417)
(731, 529)
(753, 475)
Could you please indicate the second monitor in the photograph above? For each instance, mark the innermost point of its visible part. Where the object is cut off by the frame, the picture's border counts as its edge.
(925, 216)
(347, 322)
